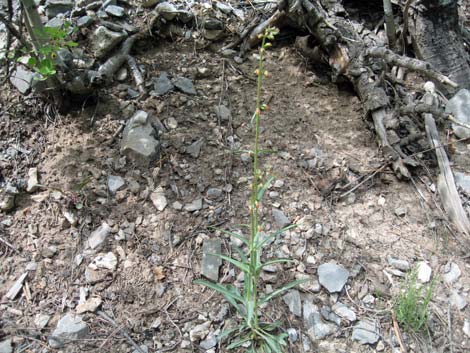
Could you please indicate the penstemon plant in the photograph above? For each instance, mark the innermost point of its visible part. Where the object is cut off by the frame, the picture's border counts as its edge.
(252, 333)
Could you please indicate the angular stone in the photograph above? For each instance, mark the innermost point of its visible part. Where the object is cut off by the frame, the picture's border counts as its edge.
(195, 148)
(116, 11)
(366, 332)
(69, 327)
(214, 193)
(292, 300)
(16, 287)
(222, 112)
(106, 261)
(459, 107)
(398, 264)
(211, 263)
(280, 218)
(199, 332)
(196, 205)
(138, 140)
(333, 277)
(185, 85)
(316, 327)
(457, 300)
(344, 312)
(158, 199)
(166, 10)
(55, 7)
(115, 183)
(424, 272)
(22, 79)
(85, 21)
(33, 182)
(209, 342)
(89, 306)
(104, 40)
(7, 202)
(162, 85)
(463, 180)
(98, 236)
(41, 320)
(452, 272)
(6, 347)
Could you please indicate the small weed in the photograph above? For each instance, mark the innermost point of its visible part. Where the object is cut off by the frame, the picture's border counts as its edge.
(251, 333)
(411, 308)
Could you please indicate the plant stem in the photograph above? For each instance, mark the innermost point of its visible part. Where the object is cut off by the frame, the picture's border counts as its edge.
(252, 279)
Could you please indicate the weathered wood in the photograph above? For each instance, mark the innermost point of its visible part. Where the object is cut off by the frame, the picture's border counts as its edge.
(434, 30)
(445, 183)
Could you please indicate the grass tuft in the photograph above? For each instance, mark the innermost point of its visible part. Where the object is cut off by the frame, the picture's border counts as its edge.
(412, 306)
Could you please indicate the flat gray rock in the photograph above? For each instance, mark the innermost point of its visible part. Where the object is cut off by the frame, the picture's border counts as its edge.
(167, 10)
(344, 312)
(210, 263)
(55, 7)
(22, 79)
(457, 300)
(366, 332)
(333, 277)
(292, 300)
(222, 112)
(98, 236)
(116, 11)
(85, 21)
(398, 264)
(316, 327)
(115, 183)
(280, 218)
(162, 85)
(459, 107)
(195, 205)
(69, 327)
(138, 140)
(424, 272)
(104, 40)
(6, 347)
(463, 180)
(195, 148)
(452, 272)
(185, 85)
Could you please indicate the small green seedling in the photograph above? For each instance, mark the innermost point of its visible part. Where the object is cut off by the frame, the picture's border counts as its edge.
(412, 306)
(43, 60)
(253, 334)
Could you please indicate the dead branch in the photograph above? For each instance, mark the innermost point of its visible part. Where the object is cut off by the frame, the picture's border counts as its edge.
(411, 64)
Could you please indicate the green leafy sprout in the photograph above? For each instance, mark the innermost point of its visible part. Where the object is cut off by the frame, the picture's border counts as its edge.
(412, 306)
(43, 60)
(252, 333)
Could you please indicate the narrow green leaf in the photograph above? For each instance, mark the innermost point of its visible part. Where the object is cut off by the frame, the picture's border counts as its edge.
(241, 254)
(228, 295)
(274, 235)
(273, 262)
(263, 189)
(233, 234)
(238, 343)
(242, 266)
(281, 290)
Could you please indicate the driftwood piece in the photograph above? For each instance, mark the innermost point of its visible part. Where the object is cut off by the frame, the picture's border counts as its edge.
(445, 183)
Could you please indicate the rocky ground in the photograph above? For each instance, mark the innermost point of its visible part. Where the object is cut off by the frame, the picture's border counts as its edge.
(101, 237)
